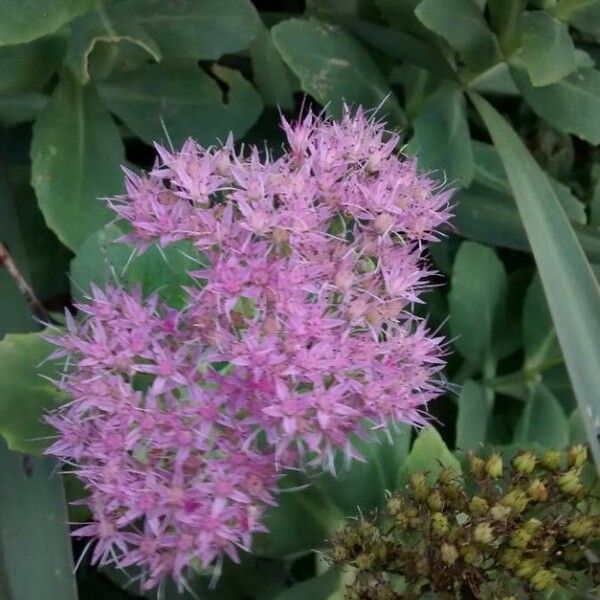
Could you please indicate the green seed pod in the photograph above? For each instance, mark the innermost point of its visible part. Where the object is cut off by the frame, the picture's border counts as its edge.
(570, 482)
(449, 553)
(524, 463)
(439, 524)
(483, 534)
(478, 505)
(494, 467)
(543, 580)
(551, 460)
(419, 486)
(577, 455)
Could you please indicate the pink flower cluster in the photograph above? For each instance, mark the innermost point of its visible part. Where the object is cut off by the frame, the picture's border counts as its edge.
(296, 333)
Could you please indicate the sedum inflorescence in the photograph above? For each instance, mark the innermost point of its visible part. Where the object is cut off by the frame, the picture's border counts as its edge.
(295, 334)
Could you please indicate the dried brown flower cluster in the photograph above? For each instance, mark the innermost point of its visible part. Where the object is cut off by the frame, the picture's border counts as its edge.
(498, 532)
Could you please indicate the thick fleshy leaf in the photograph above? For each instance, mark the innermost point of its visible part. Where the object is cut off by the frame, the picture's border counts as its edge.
(428, 454)
(76, 153)
(539, 336)
(102, 260)
(572, 105)
(25, 20)
(173, 101)
(442, 141)
(473, 416)
(582, 14)
(271, 76)
(477, 301)
(543, 420)
(462, 25)
(571, 289)
(334, 67)
(20, 107)
(547, 49)
(487, 216)
(401, 15)
(104, 26)
(24, 393)
(34, 535)
(198, 30)
(27, 67)
(320, 587)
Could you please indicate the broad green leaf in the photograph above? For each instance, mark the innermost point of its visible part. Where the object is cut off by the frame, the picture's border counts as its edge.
(27, 67)
(108, 26)
(334, 67)
(504, 16)
(582, 14)
(576, 428)
(401, 15)
(497, 81)
(15, 315)
(477, 300)
(571, 289)
(543, 420)
(25, 395)
(76, 153)
(539, 336)
(320, 587)
(429, 454)
(442, 141)
(102, 260)
(485, 215)
(572, 105)
(271, 76)
(20, 107)
(199, 30)
(25, 20)
(473, 416)
(183, 101)
(402, 45)
(35, 550)
(490, 173)
(547, 49)
(462, 25)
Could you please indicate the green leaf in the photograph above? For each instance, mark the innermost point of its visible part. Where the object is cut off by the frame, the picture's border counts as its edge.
(24, 393)
(539, 336)
(403, 46)
(25, 20)
(320, 587)
(35, 550)
(462, 25)
(487, 216)
(504, 16)
(334, 67)
(271, 76)
(477, 300)
(571, 289)
(543, 421)
(497, 81)
(473, 416)
(572, 105)
(576, 428)
(401, 15)
(199, 30)
(547, 49)
(76, 153)
(490, 172)
(442, 140)
(183, 100)
(108, 26)
(27, 67)
(582, 14)
(21, 107)
(429, 454)
(103, 260)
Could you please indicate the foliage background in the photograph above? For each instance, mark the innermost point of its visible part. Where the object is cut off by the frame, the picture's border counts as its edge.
(88, 86)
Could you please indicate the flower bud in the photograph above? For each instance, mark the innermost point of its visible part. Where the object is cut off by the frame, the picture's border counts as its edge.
(577, 455)
(364, 561)
(581, 527)
(340, 553)
(394, 505)
(520, 538)
(439, 524)
(516, 500)
(435, 500)
(493, 466)
(483, 534)
(470, 554)
(511, 558)
(526, 568)
(551, 460)
(478, 505)
(543, 580)
(448, 476)
(570, 482)
(449, 553)
(499, 512)
(537, 491)
(419, 486)
(477, 466)
(524, 463)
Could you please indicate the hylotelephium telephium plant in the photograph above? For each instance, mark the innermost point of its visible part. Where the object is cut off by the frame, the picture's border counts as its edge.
(295, 334)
